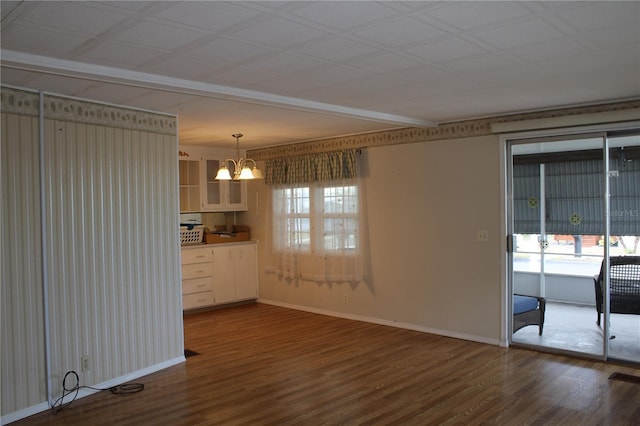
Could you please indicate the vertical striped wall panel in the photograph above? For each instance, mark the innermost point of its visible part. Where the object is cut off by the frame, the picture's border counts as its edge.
(111, 245)
(22, 329)
(113, 260)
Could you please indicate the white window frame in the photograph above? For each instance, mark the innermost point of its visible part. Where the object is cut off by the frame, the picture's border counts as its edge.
(316, 216)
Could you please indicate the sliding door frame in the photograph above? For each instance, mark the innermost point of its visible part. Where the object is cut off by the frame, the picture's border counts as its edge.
(507, 141)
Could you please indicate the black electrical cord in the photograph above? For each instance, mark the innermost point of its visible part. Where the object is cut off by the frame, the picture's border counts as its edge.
(74, 388)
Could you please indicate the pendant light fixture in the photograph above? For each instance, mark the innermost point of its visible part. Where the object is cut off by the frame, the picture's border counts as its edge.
(241, 170)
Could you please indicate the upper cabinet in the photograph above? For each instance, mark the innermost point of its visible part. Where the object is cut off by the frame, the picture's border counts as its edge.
(189, 181)
(199, 189)
(221, 195)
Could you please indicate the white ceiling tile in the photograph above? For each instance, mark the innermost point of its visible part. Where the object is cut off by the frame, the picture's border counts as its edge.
(238, 76)
(129, 6)
(284, 63)
(479, 64)
(278, 32)
(73, 17)
(295, 85)
(40, 41)
(7, 7)
(210, 16)
(510, 75)
(335, 48)
(346, 92)
(445, 50)
(399, 33)
(519, 34)
(344, 15)
(328, 75)
(228, 50)
(589, 16)
(119, 54)
(421, 74)
(468, 15)
(159, 36)
(621, 35)
(180, 66)
(381, 63)
(548, 50)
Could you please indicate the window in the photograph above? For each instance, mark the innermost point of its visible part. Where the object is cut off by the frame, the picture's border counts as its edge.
(316, 218)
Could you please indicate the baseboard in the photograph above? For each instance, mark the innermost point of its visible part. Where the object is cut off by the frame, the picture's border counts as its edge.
(44, 406)
(407, 326)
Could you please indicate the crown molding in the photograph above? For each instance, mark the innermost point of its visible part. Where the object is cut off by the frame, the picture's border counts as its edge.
(562, 117)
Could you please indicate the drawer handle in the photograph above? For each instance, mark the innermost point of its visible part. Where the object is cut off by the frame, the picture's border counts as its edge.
(200, 257)
(200, 271)
(201, 285)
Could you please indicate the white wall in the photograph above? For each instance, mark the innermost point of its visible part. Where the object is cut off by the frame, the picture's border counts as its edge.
(425, 203)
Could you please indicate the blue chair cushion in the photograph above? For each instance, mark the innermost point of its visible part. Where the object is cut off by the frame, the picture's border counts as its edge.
(524, 304)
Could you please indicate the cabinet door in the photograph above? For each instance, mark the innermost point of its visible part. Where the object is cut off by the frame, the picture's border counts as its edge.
(212, 194)
(221, 195)
(246, 264)
(236, 195)
(224, 280)
(189, 181)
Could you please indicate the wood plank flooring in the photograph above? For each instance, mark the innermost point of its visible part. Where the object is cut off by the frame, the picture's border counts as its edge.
(265, 365)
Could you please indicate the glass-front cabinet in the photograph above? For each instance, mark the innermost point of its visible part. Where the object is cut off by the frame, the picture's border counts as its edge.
(199, 189)
(221, 195)
(189, 181)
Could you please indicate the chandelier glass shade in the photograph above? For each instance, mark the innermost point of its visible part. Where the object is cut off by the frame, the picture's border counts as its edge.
(241, 168)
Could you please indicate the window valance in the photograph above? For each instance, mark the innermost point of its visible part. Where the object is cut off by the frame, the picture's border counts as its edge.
(321, 167)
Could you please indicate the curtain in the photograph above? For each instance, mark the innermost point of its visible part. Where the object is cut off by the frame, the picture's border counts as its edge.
(317, 227)
(326, 166)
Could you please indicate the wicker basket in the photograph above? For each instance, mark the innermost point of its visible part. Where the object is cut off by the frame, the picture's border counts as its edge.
(191, 236)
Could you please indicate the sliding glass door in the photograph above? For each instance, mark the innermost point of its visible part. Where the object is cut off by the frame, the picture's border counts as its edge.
(563, 227)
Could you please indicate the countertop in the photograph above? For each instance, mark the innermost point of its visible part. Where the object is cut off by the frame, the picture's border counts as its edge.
(232, 243)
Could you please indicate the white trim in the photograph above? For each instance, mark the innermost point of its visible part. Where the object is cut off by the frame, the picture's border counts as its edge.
(61, 67)
(44, 406)
(389, 323)
(560, 123)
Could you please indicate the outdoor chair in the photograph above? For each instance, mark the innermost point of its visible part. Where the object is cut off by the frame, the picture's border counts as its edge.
(624, 284)
(528, 310)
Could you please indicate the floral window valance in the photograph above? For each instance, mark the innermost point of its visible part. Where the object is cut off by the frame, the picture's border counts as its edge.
(322, 167)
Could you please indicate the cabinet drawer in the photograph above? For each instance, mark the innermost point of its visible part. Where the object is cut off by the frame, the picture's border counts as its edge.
(197, 270)
(197, 285)
(197, 300)
(196, 256)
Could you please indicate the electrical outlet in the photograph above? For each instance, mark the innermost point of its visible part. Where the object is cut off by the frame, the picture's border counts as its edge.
(84, 363)
(346, 298)
(483, 236)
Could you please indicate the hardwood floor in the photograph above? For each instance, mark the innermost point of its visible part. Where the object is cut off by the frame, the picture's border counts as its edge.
(265, 365)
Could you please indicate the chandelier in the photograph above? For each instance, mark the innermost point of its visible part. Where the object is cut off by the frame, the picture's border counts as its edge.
(241, 170)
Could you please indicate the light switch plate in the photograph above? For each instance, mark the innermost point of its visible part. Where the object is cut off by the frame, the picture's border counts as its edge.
(483, 236)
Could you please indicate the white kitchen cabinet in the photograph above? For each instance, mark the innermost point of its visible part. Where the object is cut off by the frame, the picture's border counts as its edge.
(189, 185)
(197, 277)
(220, 195)
(235, 272)
(217, 274)
(246, 260)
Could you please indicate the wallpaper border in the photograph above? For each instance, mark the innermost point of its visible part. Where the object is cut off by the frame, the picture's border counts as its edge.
(58, 107)
(454, 130)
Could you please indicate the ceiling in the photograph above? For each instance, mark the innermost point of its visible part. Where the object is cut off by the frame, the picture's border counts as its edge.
(284, 72)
